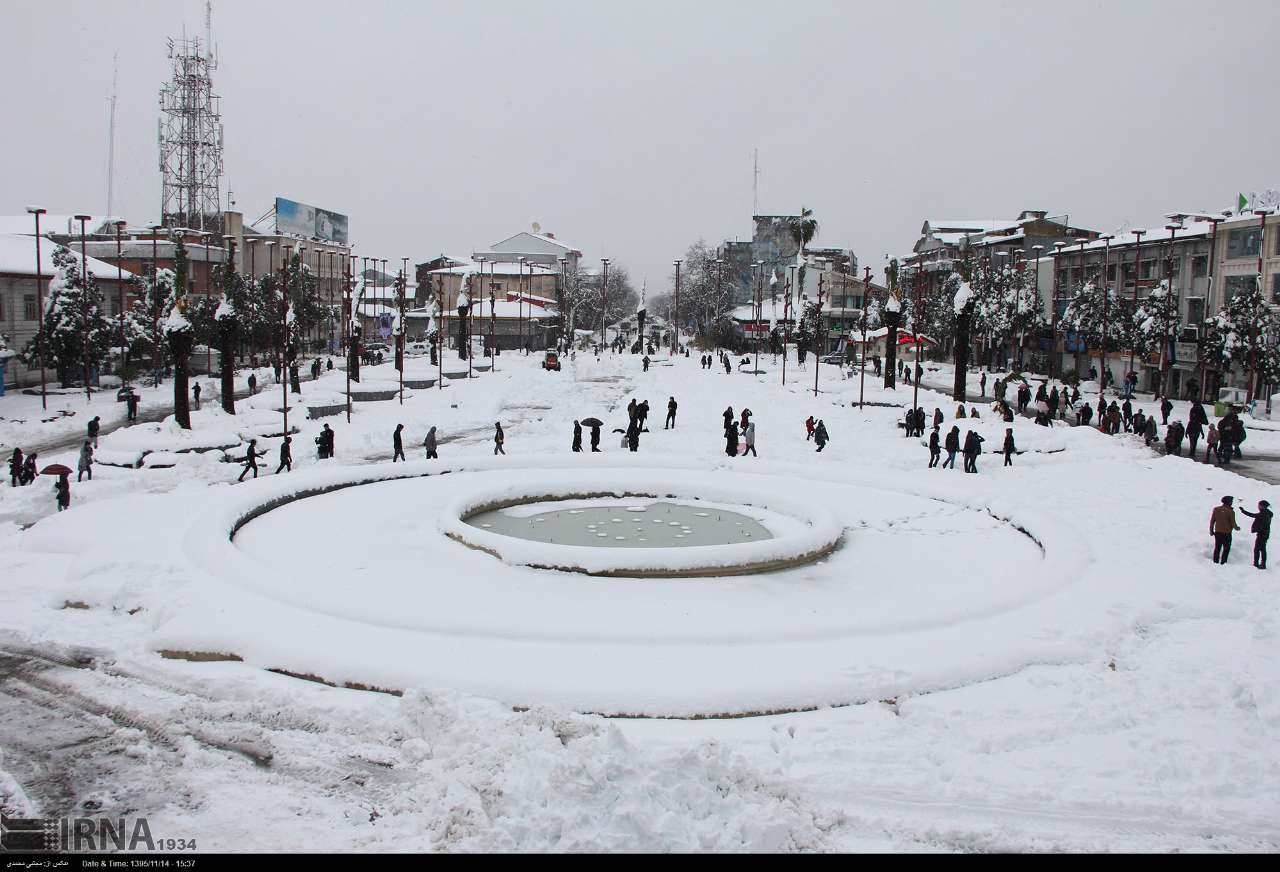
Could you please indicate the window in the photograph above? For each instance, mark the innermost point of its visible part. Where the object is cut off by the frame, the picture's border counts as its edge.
(1200, 266)
(1064, 277)
(1275, 287)
(1126, 272)
(1111, 273)
(1148, 269)
(1174, 265)
(1246, 242)
(1195, 310)
(1238, 284)
(29, 308)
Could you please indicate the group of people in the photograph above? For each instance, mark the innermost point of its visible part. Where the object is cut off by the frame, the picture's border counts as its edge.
(1222, 523)
(972, 447)
(817, 431)
(739, 433)
(707, 363)
(22, 470)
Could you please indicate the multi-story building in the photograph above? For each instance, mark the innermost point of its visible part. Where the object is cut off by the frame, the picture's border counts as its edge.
(948, 240)
(20, 295)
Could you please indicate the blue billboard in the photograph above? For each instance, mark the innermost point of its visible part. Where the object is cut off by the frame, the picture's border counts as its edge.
(309, 222)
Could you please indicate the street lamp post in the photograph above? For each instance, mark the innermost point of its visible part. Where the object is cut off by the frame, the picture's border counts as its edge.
(1165, 358)
(36, 212)
(1210, 291)
(347, 284)
(84, 292)
(566, 333)
(1137, 272)
(1022, 350)
(1055, 355)
(604, 287)
(1102, 354)
(119, 225)
(1253, 328)
(480, 259)
(866, 295)
(675, 315)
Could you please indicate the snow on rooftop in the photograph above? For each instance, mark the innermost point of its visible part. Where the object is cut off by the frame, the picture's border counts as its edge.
(18, 257)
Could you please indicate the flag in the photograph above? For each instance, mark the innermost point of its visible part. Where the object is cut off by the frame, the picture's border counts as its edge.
(1241, 204)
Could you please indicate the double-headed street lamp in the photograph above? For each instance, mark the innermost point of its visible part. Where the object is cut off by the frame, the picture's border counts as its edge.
(84, 293)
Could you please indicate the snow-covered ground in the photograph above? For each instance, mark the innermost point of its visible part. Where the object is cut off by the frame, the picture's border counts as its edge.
(1039, 657)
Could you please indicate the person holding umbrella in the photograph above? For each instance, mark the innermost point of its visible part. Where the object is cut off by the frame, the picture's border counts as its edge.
(595, 424)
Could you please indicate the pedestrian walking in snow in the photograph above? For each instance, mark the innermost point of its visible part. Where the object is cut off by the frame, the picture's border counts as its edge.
(85, 464)
(645, 361)
(1210, 442)
(95, 427)
(250, 460)
(595, 437)
(498, 438)
(1222, 523)
(952, 445)
(750, 435)
(982, 383)
(728, 418)
(809, 426)
(820, 435)
(131, 406)
(397, 445)
(577, 437)
(731, 439)
(935, 447)
(1194, 431)
(937, 417)
(642, 415)
(62, 492)
(286, 455)
(1126, 410)
(29, 472)
(1009, 447)
(15, 467)
(430, 444)
(671, 414)
(1165, 408)
(972, 448)
(727, 367)
(1261, 530)
(1149, 434)
(253, 384)
(195, 394)
(746, 416)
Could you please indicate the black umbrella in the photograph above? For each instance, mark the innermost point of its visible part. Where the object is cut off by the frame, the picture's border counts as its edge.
(592, 422)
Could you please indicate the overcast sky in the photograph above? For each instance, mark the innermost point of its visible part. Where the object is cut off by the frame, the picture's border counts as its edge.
(627, 129)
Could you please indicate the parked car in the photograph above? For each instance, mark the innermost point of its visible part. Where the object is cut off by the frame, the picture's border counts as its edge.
(551, 360)
(417, 349)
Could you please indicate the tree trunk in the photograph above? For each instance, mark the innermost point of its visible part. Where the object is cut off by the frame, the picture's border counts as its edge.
(891, 349)
(959, 389)
(180, 346)
(227, 370)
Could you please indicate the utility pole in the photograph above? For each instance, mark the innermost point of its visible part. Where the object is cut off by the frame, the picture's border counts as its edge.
(1137, 271)
(36, 212)
(84, 298)
(1102, 355)
(866, 297)
(817, 341)
(604, 288)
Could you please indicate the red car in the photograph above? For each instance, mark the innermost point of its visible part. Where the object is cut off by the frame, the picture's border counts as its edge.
(551, 361)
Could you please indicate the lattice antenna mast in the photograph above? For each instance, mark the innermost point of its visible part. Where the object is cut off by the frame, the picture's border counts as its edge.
(190, 140)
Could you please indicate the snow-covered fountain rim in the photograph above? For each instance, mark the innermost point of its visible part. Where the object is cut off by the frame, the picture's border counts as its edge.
(812, 533)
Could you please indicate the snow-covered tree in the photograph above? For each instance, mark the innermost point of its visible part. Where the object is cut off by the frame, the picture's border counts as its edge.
(963, 300)
(1156, 323)
(1246, 329)
(180, 335)
(77, 333)
(1096, 316)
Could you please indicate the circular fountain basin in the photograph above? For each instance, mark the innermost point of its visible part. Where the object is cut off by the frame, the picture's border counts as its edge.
(633, 524)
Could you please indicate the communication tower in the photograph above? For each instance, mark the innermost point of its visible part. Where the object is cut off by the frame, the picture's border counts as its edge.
(190, 140)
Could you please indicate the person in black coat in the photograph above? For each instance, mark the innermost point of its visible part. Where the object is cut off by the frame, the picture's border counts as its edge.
(820, 435)
(731, 439)
(286, 455)
(952, 444)
(595, 437)
(577, 436)
(920, 422)
(728, 419)
(1261, 530)
(935, 447)
(1194, 431)
(1009, 447)
(633, 435)
(1166, 406)
(671, 414)
(250, 460)
(972, 448)
(397, 445)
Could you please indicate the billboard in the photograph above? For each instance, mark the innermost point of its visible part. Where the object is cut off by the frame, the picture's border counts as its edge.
(300, 219)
